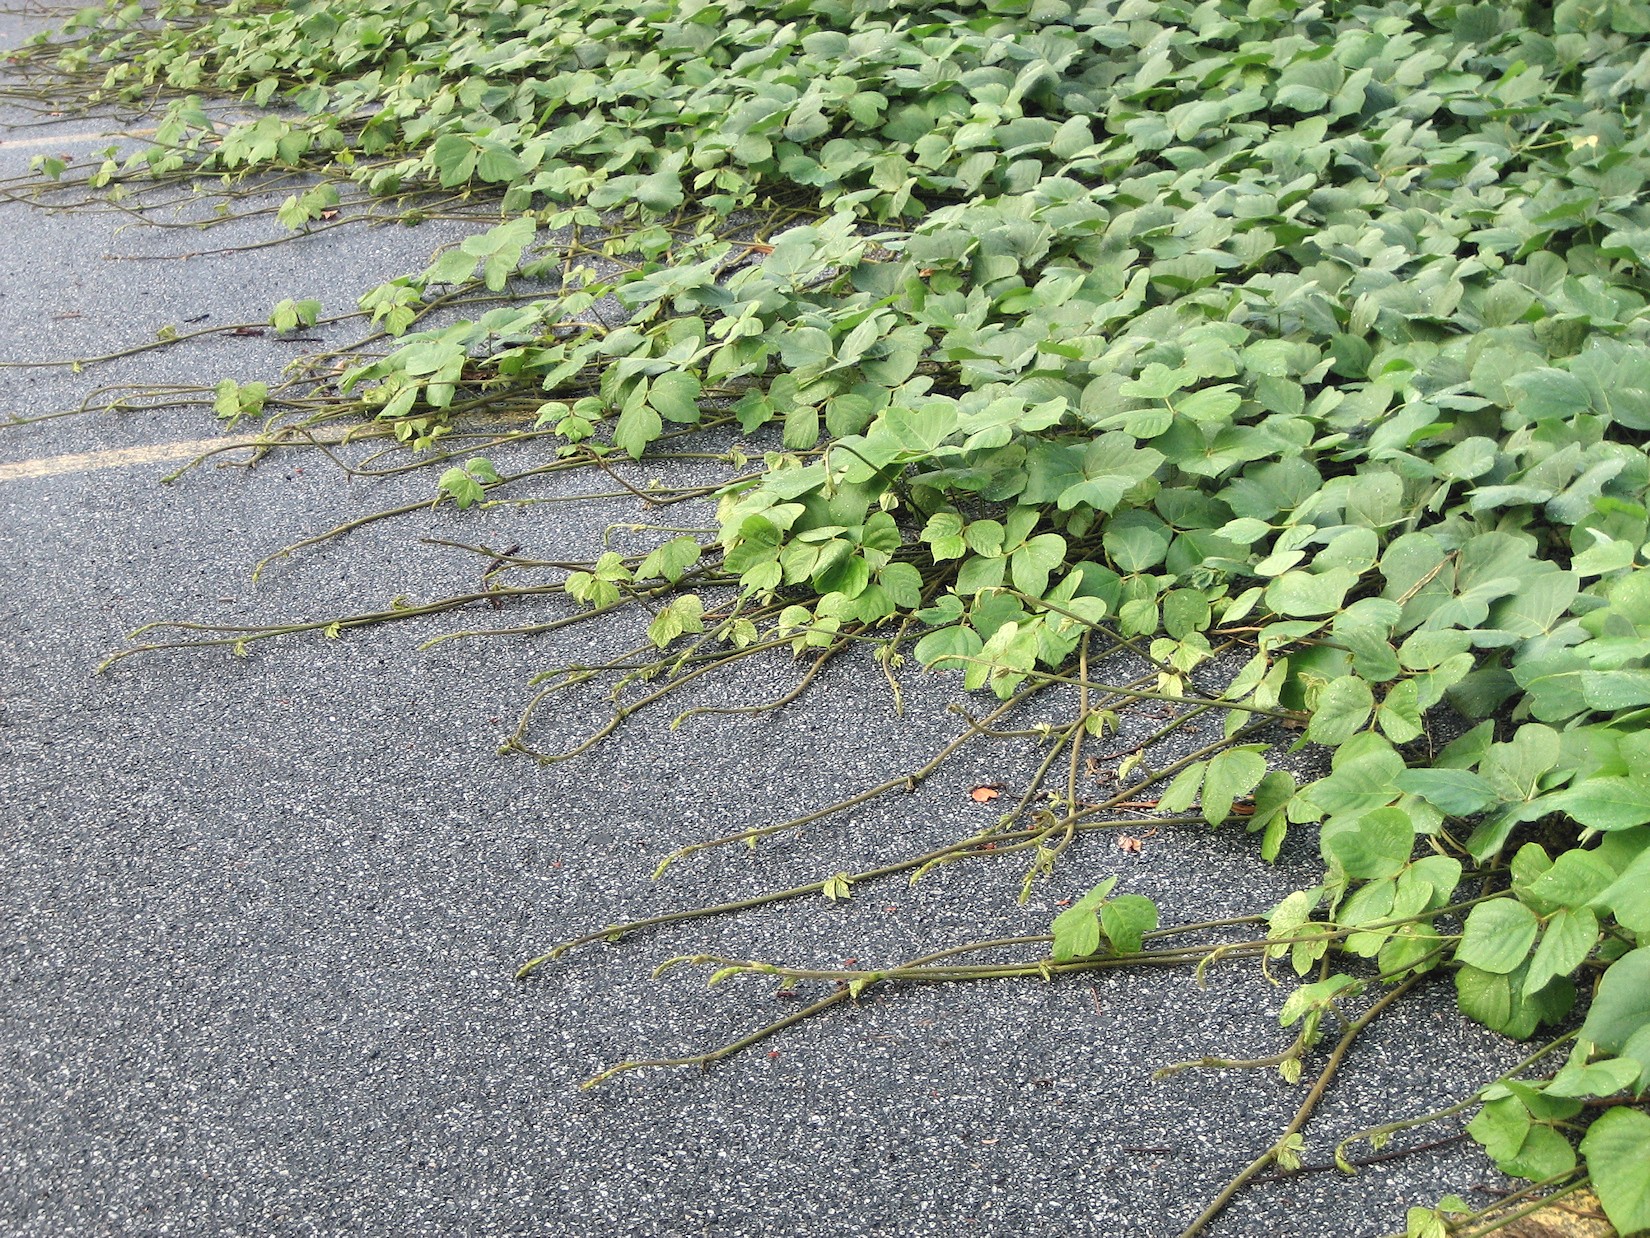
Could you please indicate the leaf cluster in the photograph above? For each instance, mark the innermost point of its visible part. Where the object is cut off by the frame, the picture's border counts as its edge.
(1320, 324)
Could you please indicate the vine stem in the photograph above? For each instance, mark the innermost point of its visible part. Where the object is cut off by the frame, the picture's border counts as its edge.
(1285, 715)
(1426, 1119)
(1257, 1166)
(855, 984)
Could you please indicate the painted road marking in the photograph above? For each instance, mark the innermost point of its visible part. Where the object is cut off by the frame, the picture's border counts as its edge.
(63, 138)
(120, 457)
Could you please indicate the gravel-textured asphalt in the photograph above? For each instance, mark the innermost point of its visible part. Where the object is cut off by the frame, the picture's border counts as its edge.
(260, 915)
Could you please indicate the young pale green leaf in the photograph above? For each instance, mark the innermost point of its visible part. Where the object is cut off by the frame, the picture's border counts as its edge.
(288, 315)
(461, 487)
(1319, 995)
(1126, 919)
(671, 561)
(1076, 930)
(684, 614)
(1231, 773)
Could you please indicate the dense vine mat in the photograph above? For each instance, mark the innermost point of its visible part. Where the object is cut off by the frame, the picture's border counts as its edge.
(1281, 364)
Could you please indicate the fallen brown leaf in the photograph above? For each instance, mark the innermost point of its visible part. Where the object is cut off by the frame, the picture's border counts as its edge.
(986, 792)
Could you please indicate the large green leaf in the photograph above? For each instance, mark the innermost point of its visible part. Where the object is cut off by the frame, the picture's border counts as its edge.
(1498, 936)
(1377, 844)
(1342, 710)
(1617, 1148)
(1621, 1007)
(1606, 803)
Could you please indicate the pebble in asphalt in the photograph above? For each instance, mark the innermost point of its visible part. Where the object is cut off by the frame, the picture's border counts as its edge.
(261, 915)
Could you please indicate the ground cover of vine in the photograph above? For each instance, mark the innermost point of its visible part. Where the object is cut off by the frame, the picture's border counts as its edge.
(1312, 331)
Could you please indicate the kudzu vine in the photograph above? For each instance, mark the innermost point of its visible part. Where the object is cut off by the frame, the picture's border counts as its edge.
(1294, 353)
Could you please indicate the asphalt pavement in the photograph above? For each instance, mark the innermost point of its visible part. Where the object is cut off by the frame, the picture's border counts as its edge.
(260, 915)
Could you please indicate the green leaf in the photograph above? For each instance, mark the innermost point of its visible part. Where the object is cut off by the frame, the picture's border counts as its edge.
(1497, 1001)
(1501, 1126)
(1137, 541)
(1377, 844)
(1574, 879)
(1498, 936)
(660, 192)
(682, 615)
(461, 487)
(638, 426)
(1617, 1148)
(1359, 782)
(1628, 896)
(670, 561)
(1216, 404)
(1031, 564)
(1544, 1154)
(498, 163)
(1305, 594)
(1604, 803)
(1618, 689)
(848, 576)
(674, 395)
(1567, 939)
(1126, 919)
(1231, 773)
(1110, 466)
(1185, 611)
(954, 642)
(1399, 713)
(1458, 792)
(1076, 930)
(1621, 1007)
(1548, 393)
(1601, 1078)
(454, 158)
(943, 533)
(1342, 710)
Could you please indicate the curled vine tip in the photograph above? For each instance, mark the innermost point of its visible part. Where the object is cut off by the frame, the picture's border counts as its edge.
(532, 965)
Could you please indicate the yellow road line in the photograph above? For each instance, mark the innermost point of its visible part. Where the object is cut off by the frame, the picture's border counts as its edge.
(63, 139)
(120, 457)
